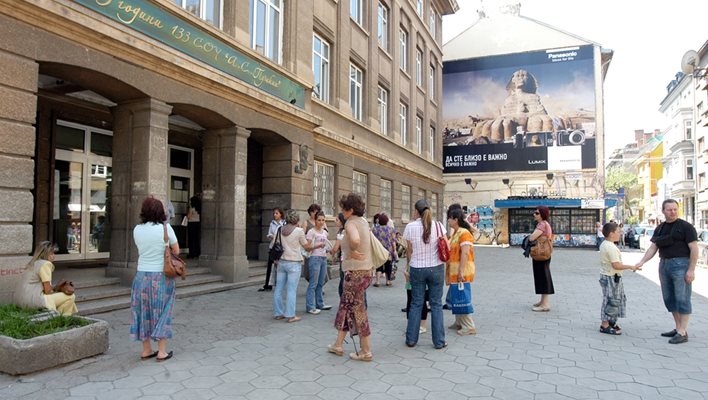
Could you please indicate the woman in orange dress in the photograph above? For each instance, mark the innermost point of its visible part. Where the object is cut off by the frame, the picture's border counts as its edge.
(460, 267)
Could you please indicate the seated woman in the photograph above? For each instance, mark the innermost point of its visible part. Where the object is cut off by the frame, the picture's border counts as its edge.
(35, 286)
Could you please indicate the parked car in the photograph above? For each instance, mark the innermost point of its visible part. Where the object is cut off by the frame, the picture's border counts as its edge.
(645, 238)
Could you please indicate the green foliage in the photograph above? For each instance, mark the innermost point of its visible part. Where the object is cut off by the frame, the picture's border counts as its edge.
(15, 322)
(633, 220)
(617, 178)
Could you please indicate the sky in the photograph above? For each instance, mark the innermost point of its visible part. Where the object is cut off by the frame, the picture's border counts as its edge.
(648, 40)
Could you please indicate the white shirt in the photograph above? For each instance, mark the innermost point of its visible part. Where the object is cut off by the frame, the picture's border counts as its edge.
(149, 238)
(423, 255)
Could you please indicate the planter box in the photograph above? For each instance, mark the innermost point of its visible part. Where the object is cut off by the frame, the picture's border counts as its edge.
(19, 357)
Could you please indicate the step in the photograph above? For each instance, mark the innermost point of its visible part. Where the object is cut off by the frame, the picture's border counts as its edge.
(116, 303)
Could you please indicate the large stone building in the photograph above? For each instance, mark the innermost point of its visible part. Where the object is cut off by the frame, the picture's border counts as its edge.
(700, 116)
(524, 126)
(254, 104)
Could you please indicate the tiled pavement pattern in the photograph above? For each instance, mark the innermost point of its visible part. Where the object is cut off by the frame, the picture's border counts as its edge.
(228, 346)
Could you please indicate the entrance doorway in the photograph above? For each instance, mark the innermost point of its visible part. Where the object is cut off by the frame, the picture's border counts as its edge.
(82, 191)
(181, 187)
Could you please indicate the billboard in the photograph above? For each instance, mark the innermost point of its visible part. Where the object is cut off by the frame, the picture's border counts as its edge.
(530, 111)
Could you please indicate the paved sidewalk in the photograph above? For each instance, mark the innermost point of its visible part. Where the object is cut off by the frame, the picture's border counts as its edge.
(228, 346)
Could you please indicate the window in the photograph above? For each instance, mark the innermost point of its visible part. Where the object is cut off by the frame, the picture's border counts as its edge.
(403, 117)
(383, 110)
(386, 206)
(323, 182)
(431, 82)
(701, 181)
(359, 185)
(419, 134)
(208, 10)
(356, 10)
(689, 169)
(403, 50)
(405, 202)
(418, 67)
(382, 26)
(431, 23)
(265, 26)
(688, 129)
(701, 146)
(419, 7)
(355, 91)
(320, 68)
(434, 205)
(431, 143)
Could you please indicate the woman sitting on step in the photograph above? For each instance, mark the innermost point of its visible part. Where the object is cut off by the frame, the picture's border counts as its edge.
(35, 287)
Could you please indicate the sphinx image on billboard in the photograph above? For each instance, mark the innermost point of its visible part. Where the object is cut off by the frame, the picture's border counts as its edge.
(520, 112)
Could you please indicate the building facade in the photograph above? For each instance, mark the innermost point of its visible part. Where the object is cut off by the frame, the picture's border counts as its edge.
(250, 104)
(678, 178)
(514, 139)
(700, 116)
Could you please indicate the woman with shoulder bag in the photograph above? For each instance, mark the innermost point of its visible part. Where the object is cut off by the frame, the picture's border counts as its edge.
(543, 281)
(153, 293)
(425, 268)
(461, 266)
(35, 286)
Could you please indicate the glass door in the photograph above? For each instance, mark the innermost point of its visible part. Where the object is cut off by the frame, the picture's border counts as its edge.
(181, 186)
(82, 191)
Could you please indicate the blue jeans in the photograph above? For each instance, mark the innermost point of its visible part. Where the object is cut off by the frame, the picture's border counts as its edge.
(288, 277)
(434, 279)
(674, 289)
(318, 272)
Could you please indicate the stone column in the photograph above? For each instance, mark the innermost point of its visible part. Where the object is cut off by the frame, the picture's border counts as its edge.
(18, 107)
(140, 169)
(223, 217)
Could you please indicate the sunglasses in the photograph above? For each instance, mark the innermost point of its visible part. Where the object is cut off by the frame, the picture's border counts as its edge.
(536, 213)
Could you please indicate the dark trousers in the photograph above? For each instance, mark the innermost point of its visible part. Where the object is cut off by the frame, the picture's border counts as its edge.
(195, 241)
(267, 284)
(424, 311)
(387, 268)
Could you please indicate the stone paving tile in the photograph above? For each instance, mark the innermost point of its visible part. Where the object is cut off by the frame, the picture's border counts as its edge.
(540, 356)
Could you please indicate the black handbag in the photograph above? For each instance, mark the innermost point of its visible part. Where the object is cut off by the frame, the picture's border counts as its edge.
(277, 250)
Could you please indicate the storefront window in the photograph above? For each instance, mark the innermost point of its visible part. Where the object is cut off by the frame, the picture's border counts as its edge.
(571, 227)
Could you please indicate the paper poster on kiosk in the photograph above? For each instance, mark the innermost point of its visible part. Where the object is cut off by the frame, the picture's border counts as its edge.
(520, 112)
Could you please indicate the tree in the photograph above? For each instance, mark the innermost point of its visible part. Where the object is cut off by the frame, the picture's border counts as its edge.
(617, 178)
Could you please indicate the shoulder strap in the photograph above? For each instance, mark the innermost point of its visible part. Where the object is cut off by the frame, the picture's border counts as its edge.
(277, 235)
(164, 237)
(437, 227)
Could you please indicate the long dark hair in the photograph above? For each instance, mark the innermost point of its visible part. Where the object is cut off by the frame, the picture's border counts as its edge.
(343, 221)
(426, 217)
(458, 215)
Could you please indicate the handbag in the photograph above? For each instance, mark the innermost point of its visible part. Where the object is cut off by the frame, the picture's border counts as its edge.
(173, 265)
(379, 254)
(66, 287)
(276, 251)
(443, 249)
(461, 298)
(543, 249)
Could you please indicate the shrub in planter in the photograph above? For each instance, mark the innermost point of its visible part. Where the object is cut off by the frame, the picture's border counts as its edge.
(32, 340)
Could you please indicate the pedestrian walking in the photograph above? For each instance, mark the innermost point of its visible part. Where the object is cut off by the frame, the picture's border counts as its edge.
(676, 241)
(424, 268)
(614, 301)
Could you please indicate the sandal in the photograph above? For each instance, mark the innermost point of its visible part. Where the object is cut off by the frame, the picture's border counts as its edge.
(609, 330)
(376, 285)
(294, 319)
(335, 350)
(361, 356)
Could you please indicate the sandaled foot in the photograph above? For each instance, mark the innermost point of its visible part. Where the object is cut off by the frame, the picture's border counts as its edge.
(465, 332)
(166, 357)
(455, 327)
(609, 330)
(541, 309)
(279, 317)
(361, 356)
(537, 304)
(150, 355)
(335, 350)
(294, 319)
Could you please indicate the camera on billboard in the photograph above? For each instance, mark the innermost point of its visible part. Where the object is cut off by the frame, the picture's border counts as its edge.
(575, 137)
(533, 139)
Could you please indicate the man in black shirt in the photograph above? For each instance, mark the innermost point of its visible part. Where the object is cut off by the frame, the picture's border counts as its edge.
(677, 243)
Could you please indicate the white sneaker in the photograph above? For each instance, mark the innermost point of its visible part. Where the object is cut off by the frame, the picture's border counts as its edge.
(326, 307)
(422, 330)
(314, 311)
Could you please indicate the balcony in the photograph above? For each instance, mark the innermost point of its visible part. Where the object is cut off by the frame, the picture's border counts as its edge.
(683, 188)
(683, 146)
